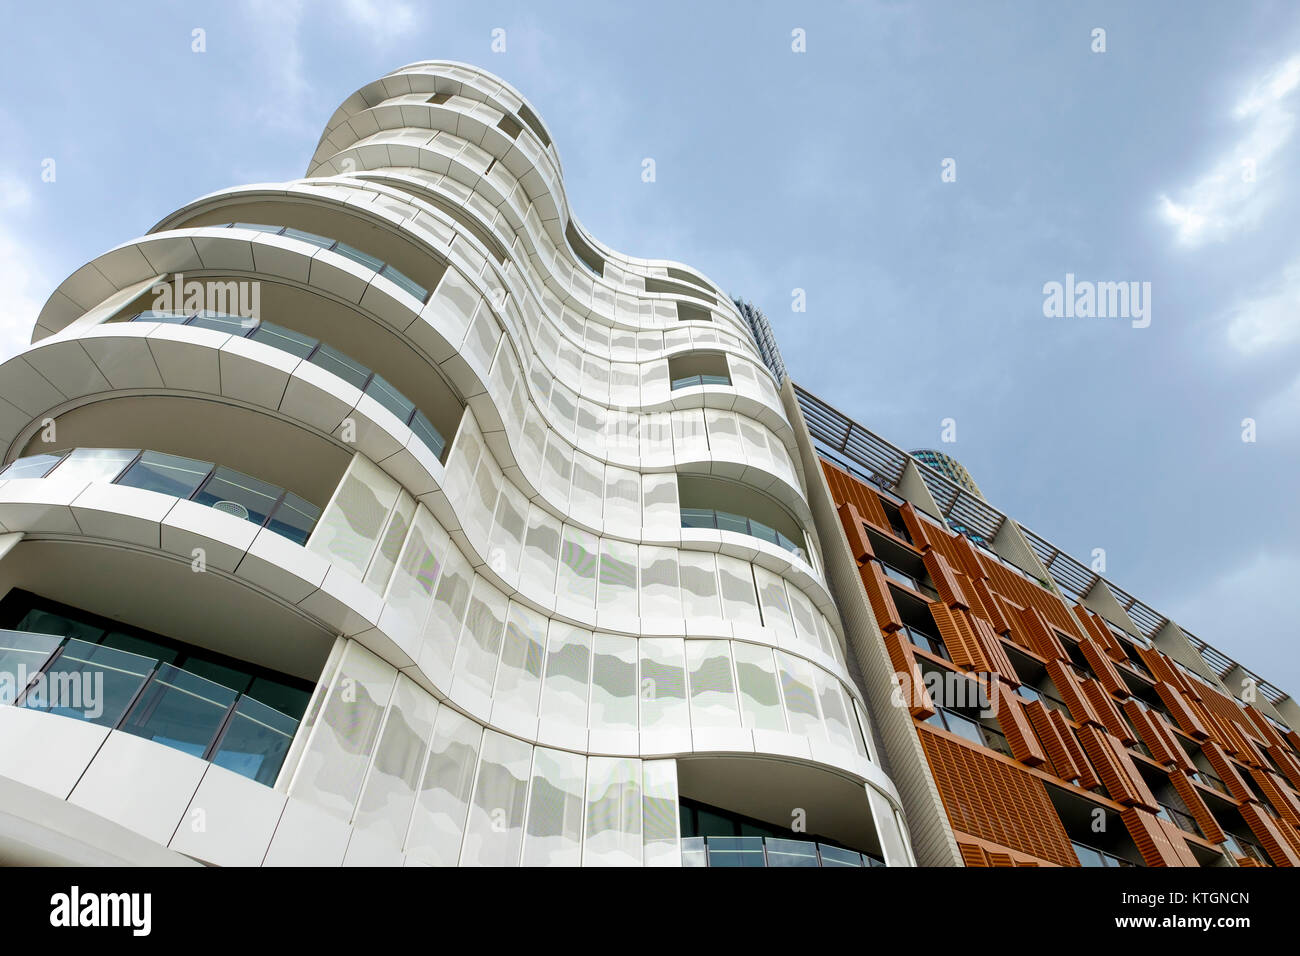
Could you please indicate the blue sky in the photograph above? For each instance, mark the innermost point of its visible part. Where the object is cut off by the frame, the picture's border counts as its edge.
(820, 171)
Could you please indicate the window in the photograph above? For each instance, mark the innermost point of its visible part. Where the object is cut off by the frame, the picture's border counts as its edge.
(237, 715)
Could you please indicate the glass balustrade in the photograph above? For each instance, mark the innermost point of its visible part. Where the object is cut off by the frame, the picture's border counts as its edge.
(317, 353)
(725, 521)
(342, 248)
(220, 488)
(755, 851)
(151, 698)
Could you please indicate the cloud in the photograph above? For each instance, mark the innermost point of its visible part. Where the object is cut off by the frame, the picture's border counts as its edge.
(26, 289)
(383, 20)
(1269, 320)
(1240, 613)
(1240, 188)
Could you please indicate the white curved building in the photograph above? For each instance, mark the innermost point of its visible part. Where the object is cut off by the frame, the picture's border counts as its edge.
(386, 517)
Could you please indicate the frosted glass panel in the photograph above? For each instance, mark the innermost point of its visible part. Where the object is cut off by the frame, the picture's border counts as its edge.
(389, 796)
(568, 666)
(578, 559)
(830, 694)
(805, 622)
(508, 528)
(713, 690)
(334, 766)
(613, 682)
(618, 574)
(495, 832)
(739, 599)
(553, 835)
(410, 592)
(390, 544)
(800, 695)
(776, 609)
(662, 820)
(760, 698)
(541, 551)
(349, 528)
(450, 600)
(523, 657)
(663, 683)
(439, 819)
(660, 593)
(480, 641)
(699, 574)
(613, 812)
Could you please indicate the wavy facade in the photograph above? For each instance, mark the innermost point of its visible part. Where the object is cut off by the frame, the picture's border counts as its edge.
(386, 517)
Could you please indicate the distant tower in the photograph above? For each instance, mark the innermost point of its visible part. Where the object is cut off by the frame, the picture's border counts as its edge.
(762, 330)
(949, 467)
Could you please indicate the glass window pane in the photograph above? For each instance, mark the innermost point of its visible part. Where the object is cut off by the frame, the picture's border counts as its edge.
(89, 682)
(237, 494)
(800, 697)
(47, 622)
(180, 710)
(286, 340)
(663, 683)
(409, 284)
(167, 318)
(33, 466)
(96, 464)
(495, 831)
(791, 853)
(613, 812)
(438, 823)
(523, 655)
(167, 474)
(256, 741)
(613, 682)
(564, 694)
(739, 599)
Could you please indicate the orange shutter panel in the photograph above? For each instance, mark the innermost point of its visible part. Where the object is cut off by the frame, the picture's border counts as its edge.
(1292, 738)
(1000, 859)
(1087, 775)
(1080, 707)
(1049, 734)
(1103, 668)
(908, 674)
(992, 605)
(1266, 730)
(994, 652)
(856, 534)
(1219, 730)
(1159, 739)
(1164, 671)
(959, 639)
(1151, 838)
(1015, 725)
(1181, 712)
(1226, 771)
(1197, 806)
(1116, 769)
(1040, 635)
(1105, 708)
(916, 527)
(882, 602)
(1283, 802)
(1285, 760)
(969, 558)
(945, 582)
(973, 855)
(1270, 837)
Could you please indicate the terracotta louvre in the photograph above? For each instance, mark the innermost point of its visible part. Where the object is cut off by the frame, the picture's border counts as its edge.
(1137, 727)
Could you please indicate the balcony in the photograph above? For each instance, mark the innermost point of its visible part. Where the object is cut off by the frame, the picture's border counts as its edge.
(342, 248)
(758, 851)
(690, 369)
(317, 353)
(92, 680)
(726, 521)
(1180, 818)
(220, 488)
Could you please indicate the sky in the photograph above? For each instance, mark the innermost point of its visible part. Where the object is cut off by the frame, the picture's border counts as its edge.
(921, 171)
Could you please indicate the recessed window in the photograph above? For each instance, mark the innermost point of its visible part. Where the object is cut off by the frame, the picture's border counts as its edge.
(692, 369)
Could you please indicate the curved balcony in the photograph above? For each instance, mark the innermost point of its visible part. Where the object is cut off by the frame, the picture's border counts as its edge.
(220, 488)
(317, 353)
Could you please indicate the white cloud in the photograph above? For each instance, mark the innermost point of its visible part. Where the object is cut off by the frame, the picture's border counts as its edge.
(384, 20)
(1238, 190)
(1269, 320)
